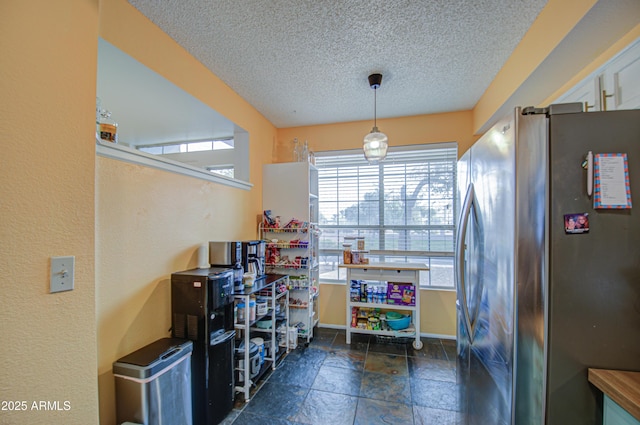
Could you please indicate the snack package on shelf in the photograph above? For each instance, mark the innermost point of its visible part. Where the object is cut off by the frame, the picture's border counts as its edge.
(401, 294)
(366, 318)
(268, 220)
(355, 290)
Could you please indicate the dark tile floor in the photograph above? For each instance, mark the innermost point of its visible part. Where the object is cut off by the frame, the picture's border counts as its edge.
(366, 382)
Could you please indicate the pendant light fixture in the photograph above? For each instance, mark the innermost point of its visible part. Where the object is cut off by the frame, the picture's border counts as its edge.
(375, 143)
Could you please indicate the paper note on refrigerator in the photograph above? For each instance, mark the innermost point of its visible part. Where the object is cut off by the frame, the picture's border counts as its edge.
(611, 181)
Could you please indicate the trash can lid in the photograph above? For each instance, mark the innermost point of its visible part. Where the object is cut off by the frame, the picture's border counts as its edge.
(152, 358)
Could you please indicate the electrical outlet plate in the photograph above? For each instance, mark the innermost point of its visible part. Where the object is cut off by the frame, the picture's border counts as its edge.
(62, 271)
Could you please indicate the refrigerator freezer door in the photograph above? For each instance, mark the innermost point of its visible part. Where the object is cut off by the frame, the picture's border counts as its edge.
(485, 360)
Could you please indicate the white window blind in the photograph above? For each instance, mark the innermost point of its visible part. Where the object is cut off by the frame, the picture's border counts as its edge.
(405, 207)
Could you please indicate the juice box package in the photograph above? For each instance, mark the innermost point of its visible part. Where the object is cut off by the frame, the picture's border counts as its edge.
(401, 293)
(355, 291)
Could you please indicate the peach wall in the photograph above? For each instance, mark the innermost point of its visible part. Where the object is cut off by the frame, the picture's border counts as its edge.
(149, 223)
(47, 103)
(450, 127)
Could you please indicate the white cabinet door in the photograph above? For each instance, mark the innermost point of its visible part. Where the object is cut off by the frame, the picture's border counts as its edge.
(587, 93)
(613, 86)
(621, 80)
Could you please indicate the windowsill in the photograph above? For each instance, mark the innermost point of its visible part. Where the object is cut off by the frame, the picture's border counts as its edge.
(127, 154)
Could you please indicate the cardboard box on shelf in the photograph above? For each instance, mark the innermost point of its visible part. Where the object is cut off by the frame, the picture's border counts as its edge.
(401, 294)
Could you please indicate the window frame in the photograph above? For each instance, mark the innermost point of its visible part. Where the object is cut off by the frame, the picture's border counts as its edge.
(417, 255)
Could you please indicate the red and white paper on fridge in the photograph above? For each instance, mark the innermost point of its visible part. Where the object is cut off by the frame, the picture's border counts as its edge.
(611, 181)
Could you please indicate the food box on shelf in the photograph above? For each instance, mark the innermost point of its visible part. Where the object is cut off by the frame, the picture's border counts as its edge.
(401, 294)
(355, 291)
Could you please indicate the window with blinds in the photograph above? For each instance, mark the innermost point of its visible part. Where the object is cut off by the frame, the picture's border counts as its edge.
(405, 207)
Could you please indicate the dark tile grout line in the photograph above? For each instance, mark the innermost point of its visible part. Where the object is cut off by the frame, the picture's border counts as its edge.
(328, 347)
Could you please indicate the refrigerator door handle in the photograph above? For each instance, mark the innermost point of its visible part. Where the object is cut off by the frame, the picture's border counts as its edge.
(461, 284)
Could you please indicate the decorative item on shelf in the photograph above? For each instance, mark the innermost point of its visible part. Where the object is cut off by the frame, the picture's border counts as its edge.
(304, 152)
(296, 150)
(108, 128)
(312, 158)
(375, 143)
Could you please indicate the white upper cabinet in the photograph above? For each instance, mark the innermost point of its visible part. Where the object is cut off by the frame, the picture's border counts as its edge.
(621, 80)
(614, 86)
(587, 93)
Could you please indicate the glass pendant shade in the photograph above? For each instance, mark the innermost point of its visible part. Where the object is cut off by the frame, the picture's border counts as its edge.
(375, 146)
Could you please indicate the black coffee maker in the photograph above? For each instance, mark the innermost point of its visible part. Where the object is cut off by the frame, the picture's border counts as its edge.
(229, 255)
(253, 257)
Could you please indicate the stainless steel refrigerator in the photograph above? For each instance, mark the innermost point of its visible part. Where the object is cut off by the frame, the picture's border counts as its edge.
(540, 302)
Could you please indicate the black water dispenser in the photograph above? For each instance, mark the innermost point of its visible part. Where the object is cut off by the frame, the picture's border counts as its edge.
(202, 311)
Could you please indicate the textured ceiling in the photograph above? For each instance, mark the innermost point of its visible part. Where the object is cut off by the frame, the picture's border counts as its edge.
(303, 62)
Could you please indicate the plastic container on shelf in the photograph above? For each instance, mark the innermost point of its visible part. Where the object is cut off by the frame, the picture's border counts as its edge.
(264, 323)
(241, 312)
(260, 343)
(359, 257)
(252, 310)
(261, 306)
(346, 253)
(268, 348)
(254, 360)
(249, 279)
(351, 240)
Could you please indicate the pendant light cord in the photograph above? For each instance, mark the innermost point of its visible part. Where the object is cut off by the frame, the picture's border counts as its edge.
(375, 107)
